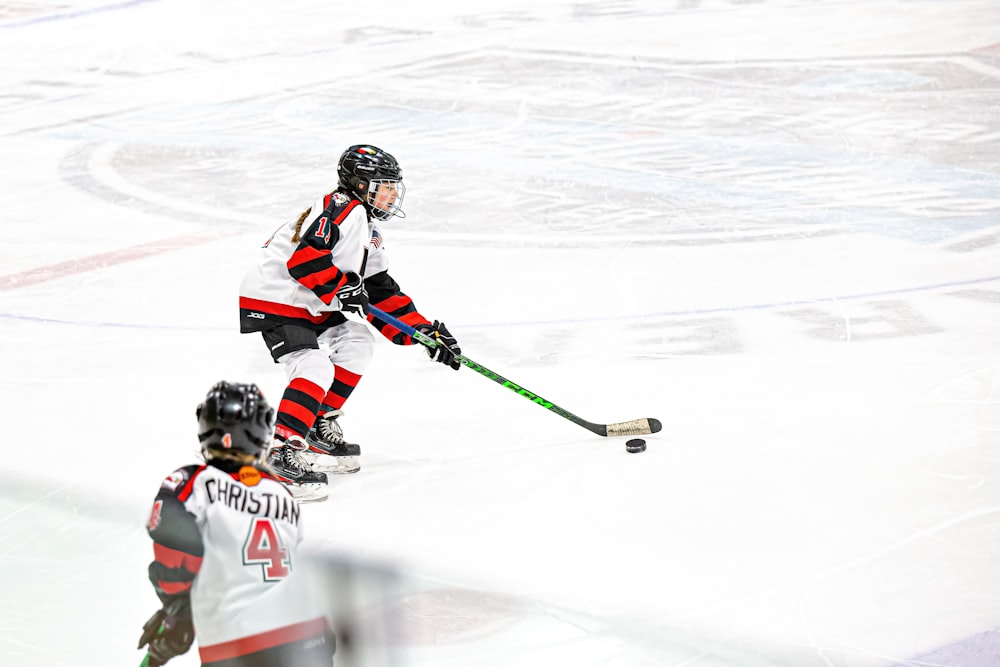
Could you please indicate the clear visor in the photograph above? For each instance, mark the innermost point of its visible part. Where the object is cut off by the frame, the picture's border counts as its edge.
(386, 198)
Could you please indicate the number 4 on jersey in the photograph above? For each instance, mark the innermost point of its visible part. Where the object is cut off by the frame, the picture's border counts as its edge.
(263, 547)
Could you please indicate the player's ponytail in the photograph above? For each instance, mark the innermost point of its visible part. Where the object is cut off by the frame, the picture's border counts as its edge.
(298, 225)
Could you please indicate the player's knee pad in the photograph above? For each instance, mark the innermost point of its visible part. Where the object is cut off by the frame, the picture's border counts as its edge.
(309, 364)
(351, 345)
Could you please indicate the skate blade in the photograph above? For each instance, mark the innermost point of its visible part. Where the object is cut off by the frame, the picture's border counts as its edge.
(338, 465)
(309, 493)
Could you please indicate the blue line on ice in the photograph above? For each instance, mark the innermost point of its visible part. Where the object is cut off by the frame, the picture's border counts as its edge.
(74, 14)
(663, 314)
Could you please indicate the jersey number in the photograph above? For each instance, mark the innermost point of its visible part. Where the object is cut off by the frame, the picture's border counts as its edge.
(323, 229)
(263, 547)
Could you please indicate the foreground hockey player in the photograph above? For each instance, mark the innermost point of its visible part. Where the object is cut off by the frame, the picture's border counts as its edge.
(312, 270)
(225, 536)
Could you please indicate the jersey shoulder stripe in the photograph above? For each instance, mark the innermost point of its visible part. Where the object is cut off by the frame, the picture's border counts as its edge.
(176, 482)
(185, 491)
(337, 206)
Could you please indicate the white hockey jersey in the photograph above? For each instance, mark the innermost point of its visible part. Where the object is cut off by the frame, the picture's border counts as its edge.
(303, 264)
(230, 539)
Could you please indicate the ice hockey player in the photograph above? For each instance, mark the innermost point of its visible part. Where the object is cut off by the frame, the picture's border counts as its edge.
(225, 540)
(328, 262)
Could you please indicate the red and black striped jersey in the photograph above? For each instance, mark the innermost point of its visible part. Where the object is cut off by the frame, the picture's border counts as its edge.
(228, 536)
(303, 264)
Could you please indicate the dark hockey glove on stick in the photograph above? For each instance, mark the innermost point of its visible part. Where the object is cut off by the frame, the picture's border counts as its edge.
(352, 295)
(169, 632)
(447, 350)
(632, 427)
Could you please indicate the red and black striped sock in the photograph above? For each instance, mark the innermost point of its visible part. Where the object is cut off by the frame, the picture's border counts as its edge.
(298, 408)
(344, 382)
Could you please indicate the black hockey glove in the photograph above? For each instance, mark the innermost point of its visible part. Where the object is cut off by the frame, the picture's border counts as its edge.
(169, 632)
(353, 297)
(447, 347)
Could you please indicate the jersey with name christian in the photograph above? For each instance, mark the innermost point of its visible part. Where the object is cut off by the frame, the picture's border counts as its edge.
(230, 539)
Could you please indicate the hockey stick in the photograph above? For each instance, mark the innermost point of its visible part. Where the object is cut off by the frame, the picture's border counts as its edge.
(633, 427)
(148, 637)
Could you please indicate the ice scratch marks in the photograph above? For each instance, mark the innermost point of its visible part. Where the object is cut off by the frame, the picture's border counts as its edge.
(883, 319)
(73, 14)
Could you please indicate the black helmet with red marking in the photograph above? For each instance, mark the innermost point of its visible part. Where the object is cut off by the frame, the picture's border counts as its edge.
(375, 177)
(235, 417)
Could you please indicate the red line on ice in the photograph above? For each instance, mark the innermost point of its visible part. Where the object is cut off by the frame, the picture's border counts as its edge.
(102, 260)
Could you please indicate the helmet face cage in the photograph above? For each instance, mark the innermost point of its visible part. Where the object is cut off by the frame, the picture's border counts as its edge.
(376, 178)
(235, 417)
(385, 197)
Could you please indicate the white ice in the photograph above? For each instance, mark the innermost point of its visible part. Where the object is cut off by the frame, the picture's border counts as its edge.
(772, 224)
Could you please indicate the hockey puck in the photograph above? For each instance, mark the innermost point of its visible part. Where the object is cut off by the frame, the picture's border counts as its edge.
(635, 446)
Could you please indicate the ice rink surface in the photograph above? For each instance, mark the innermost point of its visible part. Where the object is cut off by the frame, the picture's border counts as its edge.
(772, 224)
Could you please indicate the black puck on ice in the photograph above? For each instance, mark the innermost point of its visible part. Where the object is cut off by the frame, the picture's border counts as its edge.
(635, 446)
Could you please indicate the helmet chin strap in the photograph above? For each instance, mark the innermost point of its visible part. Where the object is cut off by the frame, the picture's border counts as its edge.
(382, 215)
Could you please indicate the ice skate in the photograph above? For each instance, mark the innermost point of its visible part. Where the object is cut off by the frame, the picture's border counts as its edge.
(305, 484)
(327, 450)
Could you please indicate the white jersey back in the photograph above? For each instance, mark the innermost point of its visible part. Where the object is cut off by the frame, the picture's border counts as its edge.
(247, 581)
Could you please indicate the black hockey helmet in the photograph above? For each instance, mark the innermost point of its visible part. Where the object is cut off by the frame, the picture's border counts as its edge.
(362, 169)
(235, 417)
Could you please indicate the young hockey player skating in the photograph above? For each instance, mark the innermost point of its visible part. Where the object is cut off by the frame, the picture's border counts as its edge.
(328, 262)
